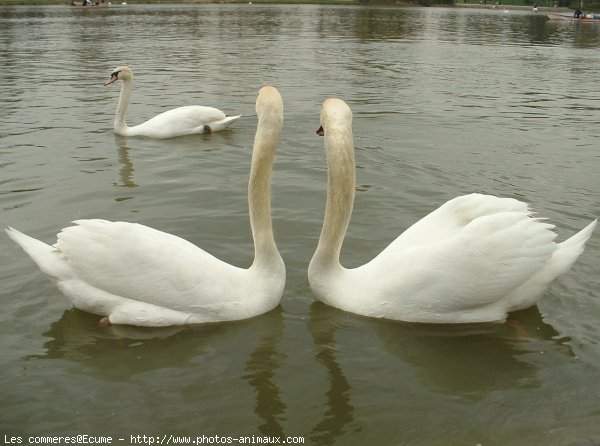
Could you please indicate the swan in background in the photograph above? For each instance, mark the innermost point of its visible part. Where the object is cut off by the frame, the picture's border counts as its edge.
(133, 274)
(474, 259)
(180, 121)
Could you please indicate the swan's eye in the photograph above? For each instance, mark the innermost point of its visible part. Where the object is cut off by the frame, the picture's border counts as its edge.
(320, 131)
(115, 74)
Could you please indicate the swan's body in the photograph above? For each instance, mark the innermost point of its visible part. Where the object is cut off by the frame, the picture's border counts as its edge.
(187, 120)
(136, 275)
(474, 259)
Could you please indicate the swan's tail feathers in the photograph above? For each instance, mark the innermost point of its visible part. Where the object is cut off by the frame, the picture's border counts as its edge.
(224, 123)
(579, 240)
(562, 259)
(571, 249)
(47, 258)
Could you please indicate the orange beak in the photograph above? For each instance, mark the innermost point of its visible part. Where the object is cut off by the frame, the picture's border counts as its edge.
(113, 78)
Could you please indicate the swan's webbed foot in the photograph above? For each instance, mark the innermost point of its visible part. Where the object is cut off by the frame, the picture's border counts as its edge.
(517, 327)
(104, 322)
(207, 129)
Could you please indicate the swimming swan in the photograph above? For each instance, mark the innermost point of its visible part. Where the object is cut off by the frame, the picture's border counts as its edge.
(133, 274)
(180, 121)
(474, 259)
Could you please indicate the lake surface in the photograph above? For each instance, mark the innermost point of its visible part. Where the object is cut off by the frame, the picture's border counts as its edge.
(445, 102)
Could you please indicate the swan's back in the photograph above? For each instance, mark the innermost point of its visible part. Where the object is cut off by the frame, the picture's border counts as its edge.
(186, 120)
(454, 215)
(474, 259)
(141, 263)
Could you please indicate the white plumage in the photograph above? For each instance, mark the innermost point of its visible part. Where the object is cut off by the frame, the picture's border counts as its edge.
(133, 274)
(186, 120)
(474, 259)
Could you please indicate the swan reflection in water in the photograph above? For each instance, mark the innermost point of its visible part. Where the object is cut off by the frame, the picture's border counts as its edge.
(339, 415)
(120, 353)
(127, 167)
(472, 360)
(466, 361)
(261, 366)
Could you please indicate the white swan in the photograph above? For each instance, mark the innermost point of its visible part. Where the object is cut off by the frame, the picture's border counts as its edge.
(180, 121)
(136, 275)
(474, 259)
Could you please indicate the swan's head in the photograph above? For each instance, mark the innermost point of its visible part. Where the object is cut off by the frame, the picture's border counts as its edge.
(335, 115)
(269, 103)
(119, 74)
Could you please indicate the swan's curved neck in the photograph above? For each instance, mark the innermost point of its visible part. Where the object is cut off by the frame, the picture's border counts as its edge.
(339, 147)
(121, 115)
(259, 192)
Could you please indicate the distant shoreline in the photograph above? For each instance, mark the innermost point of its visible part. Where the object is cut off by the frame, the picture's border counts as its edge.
(391, 3)
(512, 7)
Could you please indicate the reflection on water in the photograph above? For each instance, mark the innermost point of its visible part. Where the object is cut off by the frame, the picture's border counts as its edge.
(261, 366)
(469, 361)
(472, 364)
(474, 360)
(339, 410)
(121, 352)
(127, 168)
(446, 101)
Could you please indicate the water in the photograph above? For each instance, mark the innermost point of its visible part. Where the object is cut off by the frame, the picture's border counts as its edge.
(445, 102)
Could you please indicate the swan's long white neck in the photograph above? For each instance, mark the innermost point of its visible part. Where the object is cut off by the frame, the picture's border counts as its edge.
(121, 115)
(339, 147)
(259, 190)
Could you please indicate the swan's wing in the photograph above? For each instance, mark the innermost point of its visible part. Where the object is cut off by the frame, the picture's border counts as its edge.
(453, 216)
(140, 263)
(478, 264)
(179, 121)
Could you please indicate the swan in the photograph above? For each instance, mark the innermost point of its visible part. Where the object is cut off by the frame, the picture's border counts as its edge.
(180, 121)
(132, 274)
(474, 259)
